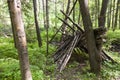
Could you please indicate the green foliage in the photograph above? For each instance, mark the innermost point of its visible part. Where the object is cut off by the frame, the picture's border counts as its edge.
(37, 58)
(37, 74)
(41, 63)
(31, 34)
(88, 76)
(50, 66)
(28, 14)
(4, 14)
(9, 69)
(110, 71)
(111, 35)
(7, 48)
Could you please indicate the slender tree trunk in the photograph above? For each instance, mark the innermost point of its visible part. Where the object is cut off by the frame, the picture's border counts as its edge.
(79, 16)
(119, 20)
(44, 11)
(47, 25)
(17, 22)
(73, 12)
(36, 24)
(63, 5)
(113, 13)
(73, 15)
(116, 14)
(96, 12)
(46, 20)
(94, 55)
(55, 13)
(14, 33)
(63, 25)
(101, 20)
(109, 15)
(13, 28)
(47, 14)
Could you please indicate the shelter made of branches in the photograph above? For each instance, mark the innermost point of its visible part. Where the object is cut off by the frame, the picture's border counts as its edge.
(73, 38)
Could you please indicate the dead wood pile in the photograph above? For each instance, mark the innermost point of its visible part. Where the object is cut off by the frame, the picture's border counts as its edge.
(74, 37)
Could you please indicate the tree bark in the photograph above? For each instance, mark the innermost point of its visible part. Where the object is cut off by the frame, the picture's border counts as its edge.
(16, 18)
(63, 25)
(36, 24)
(13, 28)
(109, 14)
(94, 55)
(47, 26)
(44, 11)
(116, 14)
(101, 20)
(113, 13)
(55, 13)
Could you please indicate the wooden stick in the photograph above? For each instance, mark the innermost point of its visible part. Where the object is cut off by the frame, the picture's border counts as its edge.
(65, 23)
(73, 22)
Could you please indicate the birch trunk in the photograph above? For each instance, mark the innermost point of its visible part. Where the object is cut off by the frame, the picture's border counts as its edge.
(17, 22)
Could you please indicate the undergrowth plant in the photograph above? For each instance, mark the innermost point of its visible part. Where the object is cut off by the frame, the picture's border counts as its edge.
(42, 64)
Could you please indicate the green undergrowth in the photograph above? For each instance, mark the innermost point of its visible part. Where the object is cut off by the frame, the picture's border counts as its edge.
(43, 67)
(9, 63)
(112, 35)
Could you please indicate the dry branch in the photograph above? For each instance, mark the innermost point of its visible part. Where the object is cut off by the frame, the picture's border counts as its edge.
(78, 40)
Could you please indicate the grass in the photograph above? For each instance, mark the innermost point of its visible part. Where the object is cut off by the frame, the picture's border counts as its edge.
(112, 35)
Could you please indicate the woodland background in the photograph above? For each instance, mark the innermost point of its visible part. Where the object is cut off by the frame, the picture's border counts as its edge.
(41, 57)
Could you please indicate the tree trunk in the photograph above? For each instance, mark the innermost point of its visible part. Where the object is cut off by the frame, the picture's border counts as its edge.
(113, 13)
(73, 13)
(36, 24)
(116, 14)
(14, 33)
(44, 11)
(119, 20)
(55, 14)
(94, 55)
(13, 28)
(101, 19)
(109, 14)
(47, 26)
(16, 17)
(63, 25)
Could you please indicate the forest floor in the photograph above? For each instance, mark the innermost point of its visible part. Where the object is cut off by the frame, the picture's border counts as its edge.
(9, 63)
(71, 72)
(81, 71)
(109, 71)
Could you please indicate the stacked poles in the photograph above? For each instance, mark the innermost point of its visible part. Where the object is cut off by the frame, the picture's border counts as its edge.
(76, 40)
